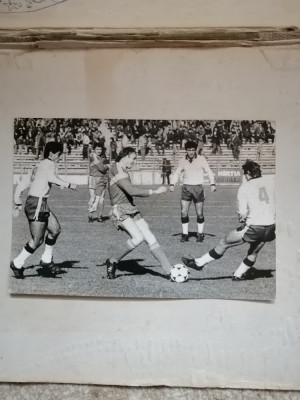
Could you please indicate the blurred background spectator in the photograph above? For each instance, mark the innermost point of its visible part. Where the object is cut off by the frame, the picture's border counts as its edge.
(31, 134)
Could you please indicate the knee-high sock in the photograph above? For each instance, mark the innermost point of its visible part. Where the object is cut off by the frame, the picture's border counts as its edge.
(200, 224)
(207, 258)
(159, 254)
(185, 225)
(122, 253)
(244, 266)
(49, 245)
(26, 252)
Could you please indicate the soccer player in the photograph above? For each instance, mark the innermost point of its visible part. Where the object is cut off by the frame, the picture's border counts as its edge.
(40, 218)
(256, 212)
(192, 166)
(125, 214)
(97, 182)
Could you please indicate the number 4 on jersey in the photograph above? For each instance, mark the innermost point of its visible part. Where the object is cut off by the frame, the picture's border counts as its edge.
(263, 195)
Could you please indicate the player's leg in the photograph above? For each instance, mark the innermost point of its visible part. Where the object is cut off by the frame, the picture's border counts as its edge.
(234, 238)
(37, 230)
(100, 194)
(154, 246)
(53, 231)
(136, 238)
(199, 207)
(185, 206)
(249, 261)
(257, 236)
(90, 203)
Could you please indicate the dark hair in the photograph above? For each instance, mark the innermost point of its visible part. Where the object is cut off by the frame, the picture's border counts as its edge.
(252, 168)
(53, 147)
(124, 152)
(190, 145)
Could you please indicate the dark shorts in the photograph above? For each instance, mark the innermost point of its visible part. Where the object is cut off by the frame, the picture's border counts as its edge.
(31, 206)
(193, 193)
(98, 184)
(259, 233)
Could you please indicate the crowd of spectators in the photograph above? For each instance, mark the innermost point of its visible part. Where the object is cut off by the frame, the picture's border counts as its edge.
(31, 134)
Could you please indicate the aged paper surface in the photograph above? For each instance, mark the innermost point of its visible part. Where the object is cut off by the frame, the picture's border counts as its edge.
(201, 343)
(145, 14)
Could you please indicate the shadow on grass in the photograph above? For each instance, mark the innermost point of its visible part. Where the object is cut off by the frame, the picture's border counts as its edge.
(103, 219)
(61, 266)
(134, 268)
(256, 274)
(194, 234)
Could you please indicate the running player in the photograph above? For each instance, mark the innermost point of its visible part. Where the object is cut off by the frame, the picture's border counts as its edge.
(97, 182)
(125, 214)
(192, 166)
(39, 216)
(256, 211)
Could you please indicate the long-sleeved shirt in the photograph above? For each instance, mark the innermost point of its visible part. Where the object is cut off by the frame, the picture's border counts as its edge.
(256, 201)
(39, 179)
(193, 171)
(120, 188)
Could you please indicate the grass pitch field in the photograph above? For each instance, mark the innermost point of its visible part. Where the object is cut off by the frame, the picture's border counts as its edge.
(83, 247)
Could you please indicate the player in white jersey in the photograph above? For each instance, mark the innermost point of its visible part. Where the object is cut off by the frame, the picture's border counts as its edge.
(192, 166)
(256, 212)
(39, 216)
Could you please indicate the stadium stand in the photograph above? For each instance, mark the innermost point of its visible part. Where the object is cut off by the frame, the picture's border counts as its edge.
(264, 154)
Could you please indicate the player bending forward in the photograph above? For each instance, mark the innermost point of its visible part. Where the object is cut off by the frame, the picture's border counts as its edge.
(256, 210)
(39, 216)
(126, 216)
(193, 167)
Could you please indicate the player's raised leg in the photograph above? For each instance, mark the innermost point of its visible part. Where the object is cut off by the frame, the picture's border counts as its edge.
(234, 238)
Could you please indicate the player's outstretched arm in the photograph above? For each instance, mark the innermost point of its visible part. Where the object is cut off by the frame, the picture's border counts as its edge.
(160, 190)
(127, 187)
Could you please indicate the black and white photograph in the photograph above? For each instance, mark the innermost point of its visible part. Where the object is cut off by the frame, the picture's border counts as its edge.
(144, 208)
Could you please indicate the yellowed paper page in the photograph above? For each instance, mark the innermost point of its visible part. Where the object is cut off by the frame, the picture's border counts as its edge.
(197, 343)
(145, 14)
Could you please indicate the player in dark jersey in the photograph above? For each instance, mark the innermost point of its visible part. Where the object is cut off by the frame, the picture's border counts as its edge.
(256, 211)
(97, 182)
(40, 218)
(125, 214)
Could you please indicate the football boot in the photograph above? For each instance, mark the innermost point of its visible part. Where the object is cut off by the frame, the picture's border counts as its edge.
(191, 263)
(18, 272)
(111, 267)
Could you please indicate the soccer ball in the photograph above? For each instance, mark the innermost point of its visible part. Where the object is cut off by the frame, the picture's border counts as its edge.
(179, 273)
